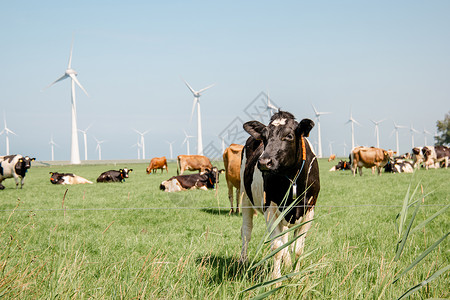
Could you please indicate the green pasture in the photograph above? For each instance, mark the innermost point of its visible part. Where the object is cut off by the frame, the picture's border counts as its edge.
(132, 241)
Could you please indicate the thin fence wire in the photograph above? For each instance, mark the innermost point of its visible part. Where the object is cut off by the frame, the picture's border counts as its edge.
(203, 207)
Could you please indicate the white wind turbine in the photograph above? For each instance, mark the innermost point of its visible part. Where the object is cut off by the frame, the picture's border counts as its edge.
(71, 73)
(142, 143)
(270, 107)
(138, 146)
(353, 121)
(170, 148)
(186, 140)
(396, 128)
(425, 132)
(197, 95)
(377, 133)
(412, 131)
(53, 144)
(330, 145)
(6, 131)
(345, 148)
(85, 140)
(319, 138)
(99, 148)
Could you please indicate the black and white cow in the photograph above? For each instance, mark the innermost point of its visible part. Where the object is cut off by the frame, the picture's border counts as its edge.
(14, 166)
(205, 180)
(399, 166)
(114, 176)
(435, 155)
(341, 165)
(274, 156)
(67, 178)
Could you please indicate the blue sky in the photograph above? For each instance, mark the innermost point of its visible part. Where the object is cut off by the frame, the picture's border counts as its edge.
(380, 59)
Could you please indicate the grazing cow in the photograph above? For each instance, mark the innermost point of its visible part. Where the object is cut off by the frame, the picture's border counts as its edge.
(14, 166)
(399, 166)
(341, 165)
(368, 158)
(417, 156)
(232, 157)
(205, 180)
(279, 168)
(67, 178)
(192, 163)
(434, 155)
(114, 176)
(157, 163)
(332, 157)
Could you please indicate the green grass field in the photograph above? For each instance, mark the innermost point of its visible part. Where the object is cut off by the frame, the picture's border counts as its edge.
(131, 240)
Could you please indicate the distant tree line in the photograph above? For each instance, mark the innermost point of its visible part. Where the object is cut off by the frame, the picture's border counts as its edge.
(443, 131)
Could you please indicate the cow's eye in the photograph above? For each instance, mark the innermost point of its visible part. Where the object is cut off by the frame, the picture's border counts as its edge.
(289, 137)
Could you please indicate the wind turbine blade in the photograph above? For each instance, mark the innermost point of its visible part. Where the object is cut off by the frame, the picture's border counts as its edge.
(70, 57)
(57, 80)
(357, 122)
(9, 131)
(193, 108)
(189, 87)
(204, 89)
(74, 78)
(315, 110)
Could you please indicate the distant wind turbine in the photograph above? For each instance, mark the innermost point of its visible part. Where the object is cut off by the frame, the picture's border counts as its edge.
(197, 95)
(85, 140)
(71, 73)
(271, 108)
(330, 145)
(425, 132)
(396, 128)
(353, 122)
(99, 148)
(138, 146)
(377, 133)
(319, 138)
(170, 148)
(412, 131)
(52, 144)
(6, 131)
(345, 148)
(186, 140)
(142, 143)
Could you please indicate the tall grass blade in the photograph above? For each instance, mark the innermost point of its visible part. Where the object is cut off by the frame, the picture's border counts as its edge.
(405, 236)
(425, 282)
(267, 294)
(287, 231)
(421, 256)
(270, 282)
(402, 214)
(421, 225)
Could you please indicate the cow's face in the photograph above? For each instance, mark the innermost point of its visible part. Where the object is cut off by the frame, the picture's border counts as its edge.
(124, 172)
(282, 141)
(23, 164)
(426, 152)
(56, 178)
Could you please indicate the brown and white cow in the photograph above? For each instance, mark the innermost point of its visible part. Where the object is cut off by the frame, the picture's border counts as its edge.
(368, 158)
(192, 163)
(67, 178)
(157, 163)
(205, 180)
(232, 157)
(275, 156)
(417, 156)
(435, 155)
(332, 157)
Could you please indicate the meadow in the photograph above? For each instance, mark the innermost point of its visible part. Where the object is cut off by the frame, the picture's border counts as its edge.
(130, 240)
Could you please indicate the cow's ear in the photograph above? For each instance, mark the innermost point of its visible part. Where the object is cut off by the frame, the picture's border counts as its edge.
(33, 159)
(255, 129)
(130, 170)
(305, 126)
(51, 173)
(120, 170)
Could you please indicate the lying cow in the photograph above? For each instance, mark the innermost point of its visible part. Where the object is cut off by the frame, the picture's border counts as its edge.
(67, 178)
(435, 155)
(232, 157)
(114, 176)
(275, 156)
(14, 166)
(368, 158)
(399, 166)
(203, 181)
(341, 165)
(157, 163)
(192, 163)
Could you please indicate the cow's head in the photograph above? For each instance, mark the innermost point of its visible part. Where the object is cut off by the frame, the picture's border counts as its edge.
(213, 176)
(23, 164)
(416, 150)
(282, 141)
(56, 177)
(124, 172)
(426, 152)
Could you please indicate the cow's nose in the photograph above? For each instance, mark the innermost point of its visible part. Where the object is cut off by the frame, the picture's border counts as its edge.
(265, 164)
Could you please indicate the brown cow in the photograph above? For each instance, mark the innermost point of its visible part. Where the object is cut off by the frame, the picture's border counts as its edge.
(232, 157)
(192, 163)
(157, 163)
(368, 158)
(332, 157)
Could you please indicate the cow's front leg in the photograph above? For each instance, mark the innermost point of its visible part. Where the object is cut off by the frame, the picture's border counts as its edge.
(230, 196)
(301, 234)
(247, 227)
(238, 198)
(16, 179)
(360, 171)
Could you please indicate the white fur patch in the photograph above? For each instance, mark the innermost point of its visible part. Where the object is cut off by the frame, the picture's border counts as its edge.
(278, 122)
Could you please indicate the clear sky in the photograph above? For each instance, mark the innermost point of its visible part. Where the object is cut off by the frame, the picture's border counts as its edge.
(380, 59)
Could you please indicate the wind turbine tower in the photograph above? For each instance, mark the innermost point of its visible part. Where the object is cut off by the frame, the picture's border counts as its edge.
(6, 131)
(186, 140)
(142, 141)
(53, 144)
(71, 73)
(377, 133)
(425, 132)
(99, 148)
(197, 95)
(319, 138)
(396, 128)
(353, 122)
(85, 141)
(170, 148)
(412, 130)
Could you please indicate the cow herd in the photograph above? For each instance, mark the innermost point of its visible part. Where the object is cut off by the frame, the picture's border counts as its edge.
(376, 158)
